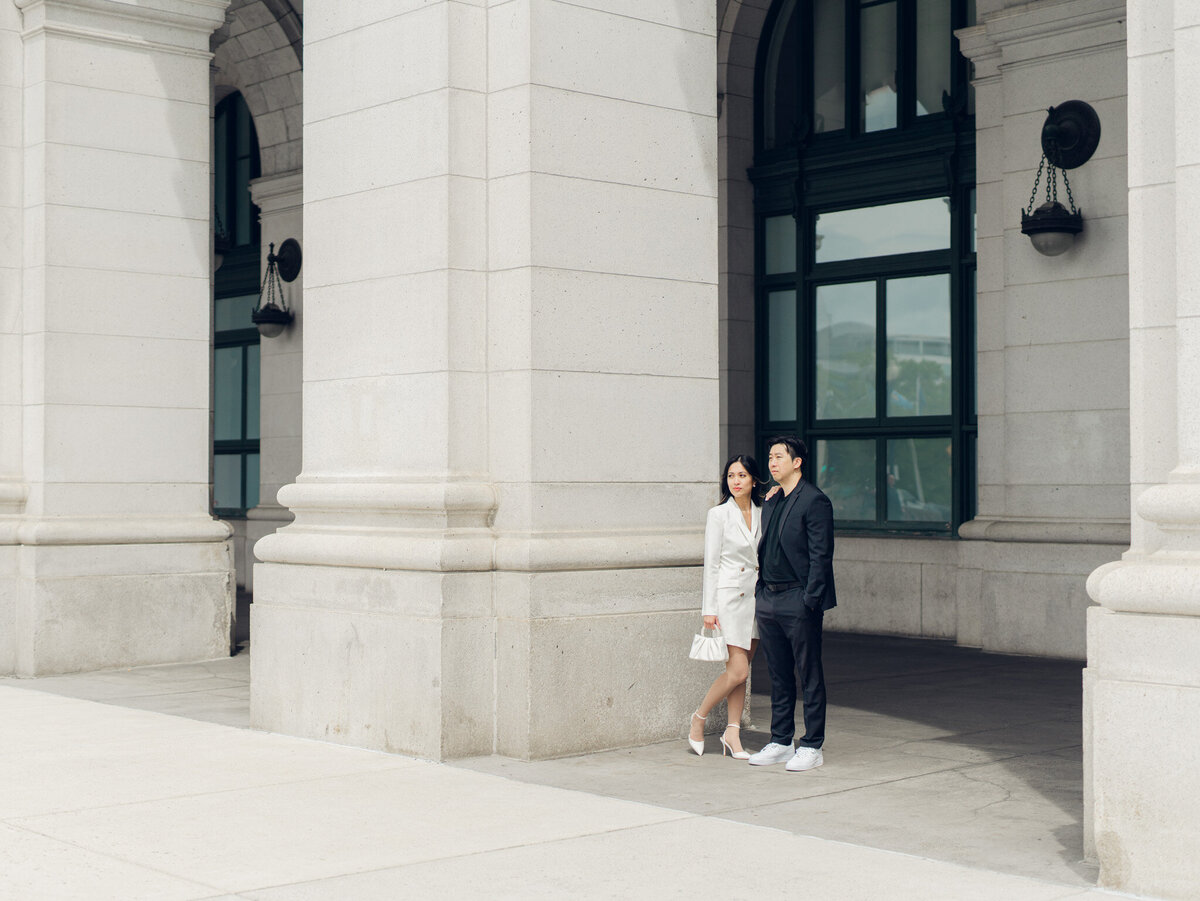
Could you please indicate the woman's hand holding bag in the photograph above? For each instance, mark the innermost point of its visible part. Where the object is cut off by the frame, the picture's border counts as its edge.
(709, 648)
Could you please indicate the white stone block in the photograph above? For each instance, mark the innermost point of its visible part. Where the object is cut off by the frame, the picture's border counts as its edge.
(1062, 312)
(1075, 376)
(120, 68)
(1151, 284)
(367, 149)
(510, 319)
(598, 52)
(1072, 502)
(155, 245)
(115, 120)
(604, 507)
(180, 367)
(374, 426)
(399, 326)
(114, 302)
(589, 321)
(395, 58)
(509, 144)
(327, 18)
(1151, 94)
(623, 230)
(879, 599)
(1065, 446)
(387, 232)
(510, 42)
(510, 234)
(510, 426)
(599, 138)
(594, 417)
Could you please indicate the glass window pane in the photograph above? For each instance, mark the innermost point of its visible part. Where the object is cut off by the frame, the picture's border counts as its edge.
(829, 65)
(918, 480)
(780, 100)
(227, 481)
(252, 391)
(933, 54)
(220, 166)
(243, 202)
(227, 393)
(918, 346)
(877, 100)
(781, 356)
(909, 227)
(234, 312)
(845, 471)
(251, 480)
(845, 381)
(780, 235)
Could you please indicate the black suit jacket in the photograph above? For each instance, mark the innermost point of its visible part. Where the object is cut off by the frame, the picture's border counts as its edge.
(806, 535)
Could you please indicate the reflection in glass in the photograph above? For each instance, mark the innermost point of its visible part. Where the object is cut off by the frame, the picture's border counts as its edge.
(227, 481)
(829, 73)
(780, 240)
(877, 97)
(974, 221)
(918, 480)
(918, 346)
(845, 471)
(873, 231)
(227, 393)
(251, 480)
(252, 391)
(234, 312)
(845, 381)
(780, 83)
(933, 54)
(781, 356)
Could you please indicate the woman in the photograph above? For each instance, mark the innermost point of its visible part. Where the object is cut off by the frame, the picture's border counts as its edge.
(730, 571)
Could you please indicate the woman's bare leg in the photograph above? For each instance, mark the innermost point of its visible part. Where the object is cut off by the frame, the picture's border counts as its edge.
(737, 668)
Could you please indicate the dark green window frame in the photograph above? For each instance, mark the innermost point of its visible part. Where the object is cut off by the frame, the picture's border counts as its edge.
(236, 162)
(812, 172)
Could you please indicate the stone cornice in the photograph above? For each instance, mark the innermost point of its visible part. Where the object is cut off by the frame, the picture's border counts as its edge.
(169, 26)
(1045, 531)
(104, 530)
(1033, 33)
(278, 193)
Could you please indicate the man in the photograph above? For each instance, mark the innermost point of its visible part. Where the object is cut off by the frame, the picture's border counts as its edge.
(795, 588)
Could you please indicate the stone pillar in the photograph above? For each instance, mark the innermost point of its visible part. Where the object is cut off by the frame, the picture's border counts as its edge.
(1051, 332)
(1143, 682)
(112, 557)
(279, 198)
(372, 617)
(602, 350)
(510, 381)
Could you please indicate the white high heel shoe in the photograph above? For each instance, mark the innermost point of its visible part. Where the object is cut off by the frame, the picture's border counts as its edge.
(725, 746)
(697, 746)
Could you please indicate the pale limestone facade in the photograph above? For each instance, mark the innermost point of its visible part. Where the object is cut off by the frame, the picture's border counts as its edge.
(525, 338)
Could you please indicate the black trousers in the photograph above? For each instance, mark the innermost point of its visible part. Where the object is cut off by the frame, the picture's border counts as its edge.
(790, 634)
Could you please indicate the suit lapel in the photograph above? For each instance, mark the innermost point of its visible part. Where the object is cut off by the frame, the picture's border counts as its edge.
(788, 504)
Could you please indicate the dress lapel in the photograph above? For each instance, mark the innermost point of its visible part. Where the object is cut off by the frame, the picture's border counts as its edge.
(741, 520)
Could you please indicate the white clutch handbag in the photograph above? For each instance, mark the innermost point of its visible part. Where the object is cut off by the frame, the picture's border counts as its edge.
(709, 648)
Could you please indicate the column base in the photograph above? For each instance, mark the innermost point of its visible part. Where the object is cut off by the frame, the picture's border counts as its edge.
(81, 607)
(1144, 718)
(393, 660)
(592, 660)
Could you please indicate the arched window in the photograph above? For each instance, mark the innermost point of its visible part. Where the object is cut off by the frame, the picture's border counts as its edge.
(865, 258)
(235, 293)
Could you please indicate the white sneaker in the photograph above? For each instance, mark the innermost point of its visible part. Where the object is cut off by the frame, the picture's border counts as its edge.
(772, 753)
(805, 759)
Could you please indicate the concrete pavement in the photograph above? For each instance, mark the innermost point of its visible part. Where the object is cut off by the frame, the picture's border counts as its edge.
(147, 786)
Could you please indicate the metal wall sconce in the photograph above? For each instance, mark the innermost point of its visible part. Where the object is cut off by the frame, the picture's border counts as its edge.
(1070, 136)
(270, 317)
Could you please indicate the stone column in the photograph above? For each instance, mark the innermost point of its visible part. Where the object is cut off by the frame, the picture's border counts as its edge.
(279, 198)
(510, 381)
(1142, 703)
(1051, 331)
(602, 350)
(372, 616)
(114, 558)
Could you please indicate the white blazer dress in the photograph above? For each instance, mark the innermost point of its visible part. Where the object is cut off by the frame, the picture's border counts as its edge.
(730, 571)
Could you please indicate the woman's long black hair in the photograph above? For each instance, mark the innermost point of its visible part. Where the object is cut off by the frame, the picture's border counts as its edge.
(751, 467)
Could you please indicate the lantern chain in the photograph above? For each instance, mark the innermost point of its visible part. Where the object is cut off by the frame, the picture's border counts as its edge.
(1036, 182)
